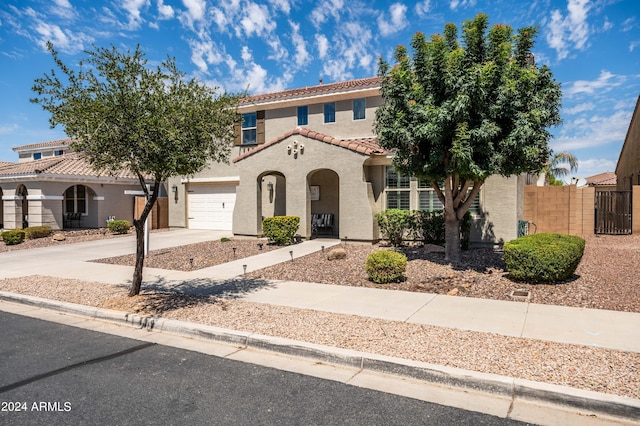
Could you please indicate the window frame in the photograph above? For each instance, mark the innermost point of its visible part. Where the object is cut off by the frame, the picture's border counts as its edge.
(303, 115)
(244, 127)
(329, 114)
(397, 191)
(84, 199)
(37, 155)
(359, 111)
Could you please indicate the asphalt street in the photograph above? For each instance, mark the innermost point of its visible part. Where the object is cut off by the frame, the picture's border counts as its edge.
(56, 374)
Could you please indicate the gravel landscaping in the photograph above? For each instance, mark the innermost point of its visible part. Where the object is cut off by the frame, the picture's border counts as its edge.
(604, 279)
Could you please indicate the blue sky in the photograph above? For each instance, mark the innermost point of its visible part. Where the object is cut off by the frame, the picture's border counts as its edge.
(592, 47)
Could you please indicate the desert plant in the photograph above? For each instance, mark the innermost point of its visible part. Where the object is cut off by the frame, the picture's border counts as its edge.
(34, 232)
(395, 225)
(14, 237)
(225, 239)
(543, 257)
(119, 226)
(428, 227)
(386, 266)
(280, 229)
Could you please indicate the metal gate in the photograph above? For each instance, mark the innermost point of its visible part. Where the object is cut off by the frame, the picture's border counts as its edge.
(613, 212)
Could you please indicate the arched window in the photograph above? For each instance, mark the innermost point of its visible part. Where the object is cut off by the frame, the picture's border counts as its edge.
(75, 199)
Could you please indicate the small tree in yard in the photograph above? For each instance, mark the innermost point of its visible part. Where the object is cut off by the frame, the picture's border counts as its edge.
(124, 115)
(459, 112)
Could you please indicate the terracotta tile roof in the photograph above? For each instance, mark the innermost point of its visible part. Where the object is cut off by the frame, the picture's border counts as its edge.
(5, 164)
(606, 178)
(71, 164)
(321, 89)
(58, 142)
(365, 146)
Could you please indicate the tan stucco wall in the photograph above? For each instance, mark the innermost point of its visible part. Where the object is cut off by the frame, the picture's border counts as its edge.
(628, 168)
(354, 207)
(501, 205)
(283, 120)
(45, 203)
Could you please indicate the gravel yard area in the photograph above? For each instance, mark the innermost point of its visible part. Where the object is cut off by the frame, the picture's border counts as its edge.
(605, 279)
(583, 367)
(71, 237)
(191, 257)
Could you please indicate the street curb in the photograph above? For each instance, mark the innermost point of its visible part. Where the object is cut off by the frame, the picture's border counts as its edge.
(595, 403)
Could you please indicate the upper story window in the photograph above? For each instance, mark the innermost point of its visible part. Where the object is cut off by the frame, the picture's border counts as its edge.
(249, 128)
(303, 115)
(359, 106)
(330, 112)
(58, 152)
(37, 155)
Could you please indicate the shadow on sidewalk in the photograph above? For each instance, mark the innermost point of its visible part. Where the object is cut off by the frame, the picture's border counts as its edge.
(231, 288)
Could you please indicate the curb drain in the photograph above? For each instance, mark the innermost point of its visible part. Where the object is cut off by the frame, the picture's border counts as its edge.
(521, 294)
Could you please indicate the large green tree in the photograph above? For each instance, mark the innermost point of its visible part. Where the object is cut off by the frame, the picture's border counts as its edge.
(461, 110)
(124, 114)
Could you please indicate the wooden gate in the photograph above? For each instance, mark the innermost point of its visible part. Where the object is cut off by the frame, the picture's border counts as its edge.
(613, 212)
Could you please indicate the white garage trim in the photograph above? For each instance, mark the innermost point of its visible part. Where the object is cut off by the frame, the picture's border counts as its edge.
(210, 206)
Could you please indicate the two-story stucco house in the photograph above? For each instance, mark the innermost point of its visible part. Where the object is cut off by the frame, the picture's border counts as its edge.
(311, 151)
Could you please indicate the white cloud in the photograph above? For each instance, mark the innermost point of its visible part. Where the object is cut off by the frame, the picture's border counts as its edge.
(283, 5)
(633, 45)
(204, 52)
(593, 166)
(302, 56)
(607, 24)
(628, 24)
(587, 106)
(596, 131)
(246, 54)
(63, 40)
(571, 31)
(133, 8)
(257, 20)
(423, 8)
(604, 83)
(6, 129)
(63, 9)
(165, 11)
(398, 14)
(454, 4)
(195, 9)
(278, 52)
(324, 10)
(323, 45)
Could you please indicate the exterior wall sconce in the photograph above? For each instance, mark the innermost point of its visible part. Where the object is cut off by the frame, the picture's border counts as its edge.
(174, 189)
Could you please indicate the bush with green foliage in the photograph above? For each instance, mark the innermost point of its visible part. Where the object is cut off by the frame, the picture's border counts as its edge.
(280, 230)
(118, 226)
(543, 257)
(34, 232)
(386, 266)
(395, 225)
(225, 239)
(13, 237)
(428, 227)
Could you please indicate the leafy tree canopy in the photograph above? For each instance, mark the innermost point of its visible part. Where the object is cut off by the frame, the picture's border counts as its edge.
(126, 115)
(461, 109)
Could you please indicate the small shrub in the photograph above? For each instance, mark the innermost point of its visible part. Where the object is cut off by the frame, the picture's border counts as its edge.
(225, 240)
(14, 237)
(118, 226)
(386, 266)
(34, 232)
(395, 225)
(543, 257)
(428, 227)
(281, 229)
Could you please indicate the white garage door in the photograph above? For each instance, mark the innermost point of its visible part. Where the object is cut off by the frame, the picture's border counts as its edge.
(211, 206)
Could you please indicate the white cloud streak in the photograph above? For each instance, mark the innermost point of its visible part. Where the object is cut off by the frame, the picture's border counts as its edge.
(604, 83)
(398, 21)
(570, 32)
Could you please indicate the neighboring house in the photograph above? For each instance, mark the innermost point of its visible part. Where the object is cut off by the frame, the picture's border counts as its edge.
(628, 167)
(602, 182)
(312, 151)
(60, 186)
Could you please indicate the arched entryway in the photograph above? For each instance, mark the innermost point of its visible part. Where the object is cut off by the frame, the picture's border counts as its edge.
(324, 202)
(22, 206)
(272, 195)
(78, 207)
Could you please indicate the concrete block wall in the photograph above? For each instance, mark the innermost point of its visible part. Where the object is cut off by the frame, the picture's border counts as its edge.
(560, 209)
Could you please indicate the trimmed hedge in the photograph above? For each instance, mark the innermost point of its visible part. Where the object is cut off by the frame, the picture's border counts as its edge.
(386, 266)
(34, 232)
(280, 230)
(119, 226)
(543, 257)
(13, 237)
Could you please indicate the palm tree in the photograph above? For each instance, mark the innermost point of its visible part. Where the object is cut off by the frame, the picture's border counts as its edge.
(557, 168)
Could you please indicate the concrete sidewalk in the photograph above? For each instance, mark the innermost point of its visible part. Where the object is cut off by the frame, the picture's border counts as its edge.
(592, 327)
(514, 397)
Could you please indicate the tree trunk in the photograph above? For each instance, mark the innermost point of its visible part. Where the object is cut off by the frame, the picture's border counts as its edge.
(136, 283)
(452, 250)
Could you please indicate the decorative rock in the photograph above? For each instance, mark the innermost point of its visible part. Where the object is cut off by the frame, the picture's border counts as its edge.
(453, 291)
(337, 253)
(58, 236)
